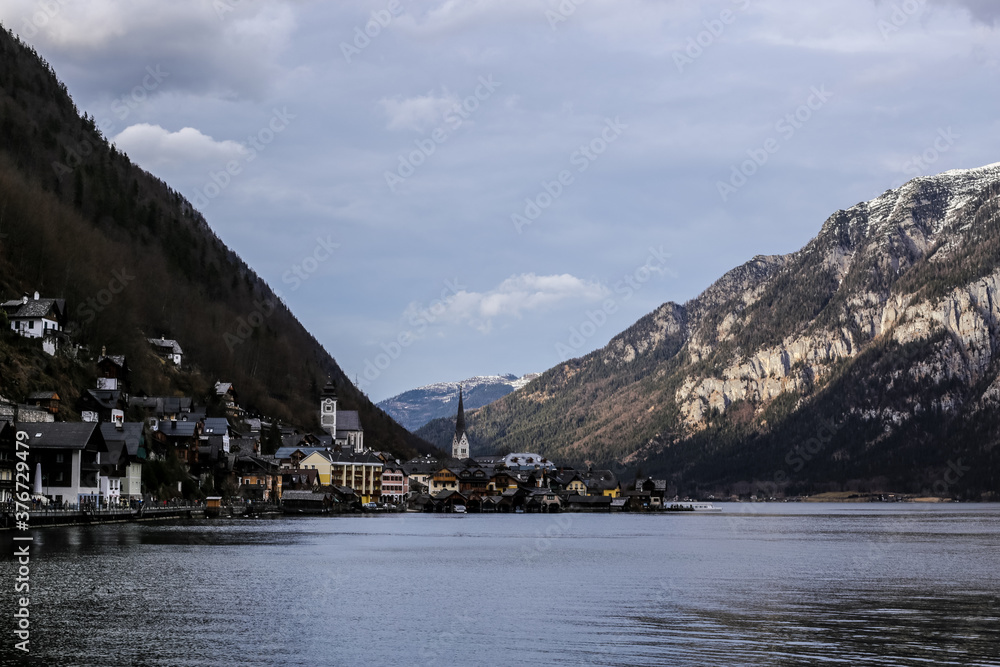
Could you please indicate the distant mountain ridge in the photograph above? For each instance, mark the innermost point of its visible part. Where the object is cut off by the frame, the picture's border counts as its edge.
(870, 358)
(414, 408)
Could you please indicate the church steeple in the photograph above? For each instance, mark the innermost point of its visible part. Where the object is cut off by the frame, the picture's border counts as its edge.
(460, 443)
(328, 409)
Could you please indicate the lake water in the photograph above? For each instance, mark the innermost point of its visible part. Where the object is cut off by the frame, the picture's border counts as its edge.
(764, 584)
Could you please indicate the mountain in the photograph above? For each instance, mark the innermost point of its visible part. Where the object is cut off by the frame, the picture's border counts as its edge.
(868, 359)
(416, 407)
(133, 259)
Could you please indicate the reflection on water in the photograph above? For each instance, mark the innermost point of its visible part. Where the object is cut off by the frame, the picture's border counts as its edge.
(757, 585)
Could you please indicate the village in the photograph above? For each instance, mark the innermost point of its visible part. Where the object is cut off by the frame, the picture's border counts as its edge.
(230, 459)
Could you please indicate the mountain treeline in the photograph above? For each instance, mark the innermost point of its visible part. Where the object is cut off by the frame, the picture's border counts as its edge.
(133, 260)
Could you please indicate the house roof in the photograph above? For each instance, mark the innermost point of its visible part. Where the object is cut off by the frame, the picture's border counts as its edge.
(303, 495)
(166, 343)
(34, 307)
(106, 398)
(64, 435)
(116, 359)
(163, 405)
(130, 433)
(43, 396)
(216, 426)
(177, 428)
(223, 388)
(286, 452)
(348, 420)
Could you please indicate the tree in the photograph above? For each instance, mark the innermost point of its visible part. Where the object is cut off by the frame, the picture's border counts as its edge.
(272, 440)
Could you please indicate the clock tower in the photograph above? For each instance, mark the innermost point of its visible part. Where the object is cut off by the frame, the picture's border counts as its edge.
(328, 409)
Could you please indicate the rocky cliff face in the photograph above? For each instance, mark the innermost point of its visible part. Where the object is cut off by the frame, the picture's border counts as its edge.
(886, 323)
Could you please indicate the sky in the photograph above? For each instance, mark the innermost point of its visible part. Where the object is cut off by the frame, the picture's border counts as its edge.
(446, 188)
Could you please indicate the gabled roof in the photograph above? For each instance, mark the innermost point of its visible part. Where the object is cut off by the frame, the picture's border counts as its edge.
(130, 433)
(64, 435)
(106, 398)
(223, 388)
(34, 308)
(166, 344)
(286, 452)
(348, 420)
(163, 405)
(116, 359)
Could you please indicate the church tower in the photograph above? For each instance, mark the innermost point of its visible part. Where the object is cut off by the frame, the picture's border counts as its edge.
(328, 409)
(460, 443)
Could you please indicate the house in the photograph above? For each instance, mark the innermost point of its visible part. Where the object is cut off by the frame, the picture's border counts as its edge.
(113, 372)
(292, 457)
(588, 503)
(474, 480)
(169, 350)
(226, 395)
(395, 483)
(181, 437)
(165, 407)
(299, 480)
(133, 440)
(257, 478)
(420, 472)
(102, 405)
(361, 472)
(306, 502)
(602, 483)
(656, 489)
(37, 318)
(69, 457)
(46, 400)
(527, 461)
(8, 463)
(543, 500)
(217, 426)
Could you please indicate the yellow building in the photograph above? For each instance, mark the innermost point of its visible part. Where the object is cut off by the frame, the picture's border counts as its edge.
(361, 472)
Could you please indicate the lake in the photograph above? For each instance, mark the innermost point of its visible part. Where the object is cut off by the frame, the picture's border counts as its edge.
(758, 584)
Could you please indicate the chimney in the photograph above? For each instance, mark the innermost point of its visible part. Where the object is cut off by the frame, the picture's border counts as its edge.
(24, 299)
(104, 351)
(36, 296)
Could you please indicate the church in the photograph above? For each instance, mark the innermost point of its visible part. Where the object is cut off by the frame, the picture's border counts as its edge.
(344, 426)
(460, 443)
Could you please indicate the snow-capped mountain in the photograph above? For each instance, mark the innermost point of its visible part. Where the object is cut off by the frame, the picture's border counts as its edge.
(416, 407)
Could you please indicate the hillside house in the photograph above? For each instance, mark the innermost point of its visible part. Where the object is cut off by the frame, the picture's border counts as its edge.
(168, 349)
(8, 462)
(113, 373)
(46, 400)
(37, 318)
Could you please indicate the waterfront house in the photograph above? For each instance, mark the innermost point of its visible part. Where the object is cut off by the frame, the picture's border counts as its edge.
(395, 483)
(420, 471)
(307, 502)
(68, 454)
(132, 436)
(577, 503)
(603, 483)
(361, 472)
(257, 479)
(298, 479)
(8, 462)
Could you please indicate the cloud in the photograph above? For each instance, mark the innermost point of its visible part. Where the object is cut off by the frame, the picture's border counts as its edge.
(985, 11)
(232, 54)
(510, 299)
(417, 113)
(153, 147)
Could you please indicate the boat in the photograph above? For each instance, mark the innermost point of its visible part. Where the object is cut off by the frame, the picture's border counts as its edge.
(689, 506)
